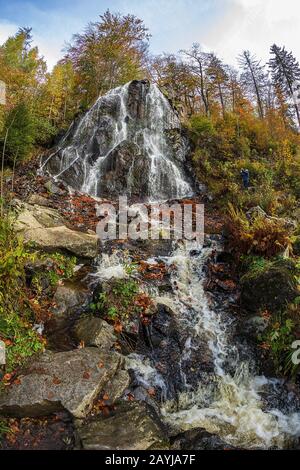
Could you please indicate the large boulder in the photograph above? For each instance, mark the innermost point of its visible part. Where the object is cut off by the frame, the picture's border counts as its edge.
(119, 171)
(62, 238)
(67, 380)
(271, 287)
(33, 216)
(133, 426)
(44, 227)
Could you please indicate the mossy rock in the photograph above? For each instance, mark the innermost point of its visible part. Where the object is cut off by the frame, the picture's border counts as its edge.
(270, 287)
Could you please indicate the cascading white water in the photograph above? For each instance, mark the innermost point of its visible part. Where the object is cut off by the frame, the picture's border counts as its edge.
(92, 179)
(84, 156)
(160, 117)
(232, 406)
(235, 409)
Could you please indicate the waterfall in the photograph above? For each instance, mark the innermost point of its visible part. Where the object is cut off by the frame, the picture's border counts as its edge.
(130, 143)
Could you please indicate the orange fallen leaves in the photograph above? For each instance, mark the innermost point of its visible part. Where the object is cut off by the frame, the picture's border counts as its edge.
(86, 375)
(56, 381)
(118, 327)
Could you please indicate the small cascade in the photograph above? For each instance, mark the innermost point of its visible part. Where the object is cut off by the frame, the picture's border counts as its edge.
(235, 409)
(234, 403)
(130, 143)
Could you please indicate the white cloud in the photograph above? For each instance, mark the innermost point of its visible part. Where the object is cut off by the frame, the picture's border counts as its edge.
(6, 29)
(256, 25)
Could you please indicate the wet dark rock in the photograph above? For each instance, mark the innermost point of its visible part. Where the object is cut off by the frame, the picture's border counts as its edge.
(70, 301)
(54, 432)
(163, 342)
(199, 439)
(118, 168)
(255, 326)
(271, 287)
(137, 93)
(224, 257)
(37, 271)
(132, 426)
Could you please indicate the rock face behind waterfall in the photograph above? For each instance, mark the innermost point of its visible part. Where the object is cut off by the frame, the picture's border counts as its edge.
(129, 142)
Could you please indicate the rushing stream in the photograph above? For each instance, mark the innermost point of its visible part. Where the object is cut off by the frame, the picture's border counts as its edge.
(244, 409)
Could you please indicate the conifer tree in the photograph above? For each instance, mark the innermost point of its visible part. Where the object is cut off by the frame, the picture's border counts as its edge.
(285, 72)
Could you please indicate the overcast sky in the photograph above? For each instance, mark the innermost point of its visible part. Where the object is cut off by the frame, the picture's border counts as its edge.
(224, 26)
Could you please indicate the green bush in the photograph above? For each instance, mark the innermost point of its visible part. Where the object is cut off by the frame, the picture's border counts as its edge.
(121, 300)
(16, 316)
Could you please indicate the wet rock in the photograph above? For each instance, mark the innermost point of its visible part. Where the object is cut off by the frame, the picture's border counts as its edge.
(254, 326)
(53, 432)
(117, 169)
(199, 439)
(119, 132)
(95, 332)
(39, 270)
(271, 287)
(137, 93)
(133, 426)
(163, 340)
(70, 380)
